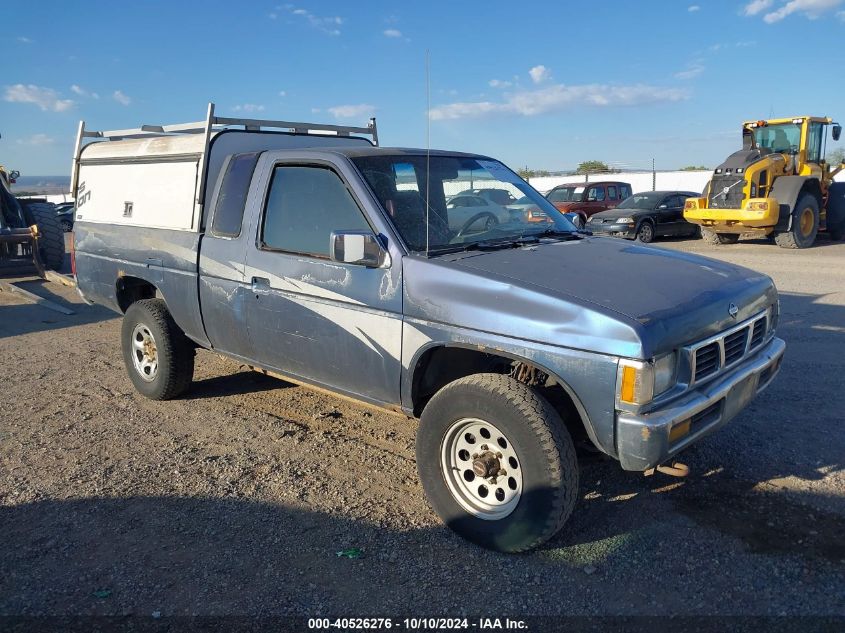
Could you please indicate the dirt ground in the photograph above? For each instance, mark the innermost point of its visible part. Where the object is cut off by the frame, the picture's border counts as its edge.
(236, 498)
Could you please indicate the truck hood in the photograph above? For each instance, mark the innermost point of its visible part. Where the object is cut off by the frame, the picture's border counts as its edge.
(598, 294)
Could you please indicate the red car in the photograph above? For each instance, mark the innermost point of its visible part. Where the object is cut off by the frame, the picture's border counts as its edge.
(587, 198)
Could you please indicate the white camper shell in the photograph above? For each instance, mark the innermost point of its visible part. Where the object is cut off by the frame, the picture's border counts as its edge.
(157, 176)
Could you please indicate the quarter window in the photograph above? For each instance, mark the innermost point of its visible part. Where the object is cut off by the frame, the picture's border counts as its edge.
(305, 205)
(229, 210)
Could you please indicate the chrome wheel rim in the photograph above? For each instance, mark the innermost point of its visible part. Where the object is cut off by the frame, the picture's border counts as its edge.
(481, 468)
(144, 352)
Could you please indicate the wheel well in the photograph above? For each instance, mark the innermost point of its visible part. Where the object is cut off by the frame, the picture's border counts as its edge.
(131, 289)
(439, 366)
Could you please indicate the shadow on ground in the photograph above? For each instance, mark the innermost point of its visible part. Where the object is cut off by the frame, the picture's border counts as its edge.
(17, 317)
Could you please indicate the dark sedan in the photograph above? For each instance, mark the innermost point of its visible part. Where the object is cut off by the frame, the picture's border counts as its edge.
(645, 216)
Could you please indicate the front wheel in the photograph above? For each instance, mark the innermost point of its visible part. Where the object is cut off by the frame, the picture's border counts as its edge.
(158, 356)
(805, 224)
(711, 237)
(645, 233)
(497, 463)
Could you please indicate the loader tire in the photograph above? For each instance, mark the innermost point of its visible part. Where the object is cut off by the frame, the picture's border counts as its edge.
(805, 224)
(52, 240)
(836, 211)
(159, 358)
(711, 237)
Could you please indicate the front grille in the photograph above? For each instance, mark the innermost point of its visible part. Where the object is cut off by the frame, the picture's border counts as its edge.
(735, 346)
(706, 361)
(758, 332)
(731, 200)
(712, 356)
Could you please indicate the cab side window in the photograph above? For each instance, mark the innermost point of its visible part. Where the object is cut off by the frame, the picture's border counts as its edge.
(611, 192)
(304, 206)
(596, 193)
(624, 192)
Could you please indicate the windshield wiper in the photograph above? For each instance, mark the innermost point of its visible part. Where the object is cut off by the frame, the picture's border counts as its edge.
(566, 235)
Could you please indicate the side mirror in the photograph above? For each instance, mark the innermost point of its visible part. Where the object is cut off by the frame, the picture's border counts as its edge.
(361, 248)
(836, 131)
(663, 206)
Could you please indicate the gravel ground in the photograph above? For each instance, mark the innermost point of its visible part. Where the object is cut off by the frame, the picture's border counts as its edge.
(236, 498)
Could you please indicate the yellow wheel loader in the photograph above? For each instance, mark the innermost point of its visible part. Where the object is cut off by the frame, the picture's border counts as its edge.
(777, 185)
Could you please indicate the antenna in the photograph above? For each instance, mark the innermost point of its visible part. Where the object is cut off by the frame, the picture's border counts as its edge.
(427, 149)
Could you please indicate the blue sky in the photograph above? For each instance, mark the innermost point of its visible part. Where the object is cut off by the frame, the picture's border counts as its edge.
(545, 84)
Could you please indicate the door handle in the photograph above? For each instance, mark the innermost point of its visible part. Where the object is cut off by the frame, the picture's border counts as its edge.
(260, 285)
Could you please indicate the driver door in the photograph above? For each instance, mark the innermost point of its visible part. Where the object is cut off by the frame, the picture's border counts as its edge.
(329, 323)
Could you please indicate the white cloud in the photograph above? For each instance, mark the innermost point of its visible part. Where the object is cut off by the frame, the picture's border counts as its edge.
(539, 74)
(330, 25)
(272, 16)
(37, 140)
(392, 33)
(24, 40)
(559, 97)
(44, 98)
(82, 92)
(249, 107)
(757, 6)
(282, 93)
(811, 9)
(351, 111)
(691, 71)
(121, 98)
(498, 83)
(693, 8)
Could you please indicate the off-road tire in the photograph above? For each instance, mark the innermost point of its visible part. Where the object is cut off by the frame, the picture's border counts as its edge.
(645, 232)
(175, 351)
(795, 237)
(711, 237)
(539, 436)
(836, 211)
(51, 243)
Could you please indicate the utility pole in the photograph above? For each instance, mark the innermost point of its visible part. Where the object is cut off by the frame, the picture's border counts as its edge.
(653, 176)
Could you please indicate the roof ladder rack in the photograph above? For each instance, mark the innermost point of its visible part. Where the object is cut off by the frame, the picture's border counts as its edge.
(211, 124)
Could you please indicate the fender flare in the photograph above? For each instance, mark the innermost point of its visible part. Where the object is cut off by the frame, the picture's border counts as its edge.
(787, 190)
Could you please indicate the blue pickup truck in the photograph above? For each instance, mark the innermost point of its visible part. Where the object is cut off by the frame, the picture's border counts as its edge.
(310, 252)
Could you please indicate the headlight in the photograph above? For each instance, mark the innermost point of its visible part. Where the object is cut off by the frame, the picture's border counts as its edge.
(664, 372)
(625, 221)
(640, 381)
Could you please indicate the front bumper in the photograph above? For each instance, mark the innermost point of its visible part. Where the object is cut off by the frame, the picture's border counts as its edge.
(758, 214)
(615, 230)
(645, 440)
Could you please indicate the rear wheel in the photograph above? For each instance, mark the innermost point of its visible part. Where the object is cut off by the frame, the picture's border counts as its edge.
(496, 462)
(836, 211)
(711, 237)
(805, 224)
(158, 356)
(645, 233)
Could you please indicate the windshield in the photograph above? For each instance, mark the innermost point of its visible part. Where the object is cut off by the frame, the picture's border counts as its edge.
(566, 194)
(640, 201)
(457, 216)
(783, 137)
